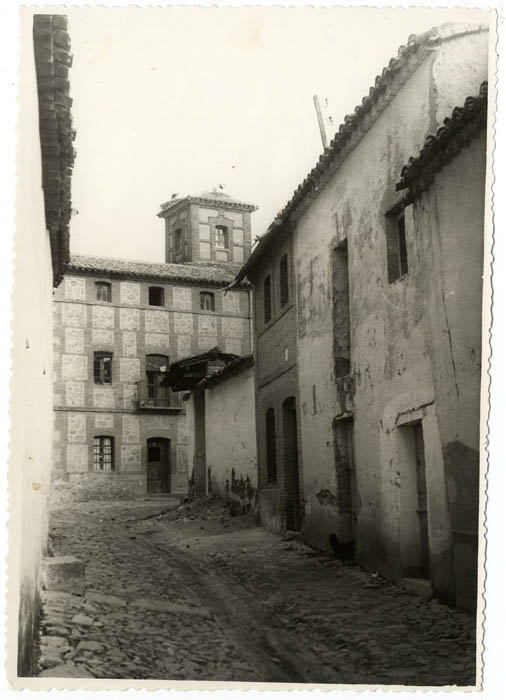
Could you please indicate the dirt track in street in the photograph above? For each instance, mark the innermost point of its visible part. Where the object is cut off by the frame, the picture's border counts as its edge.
(190, 593)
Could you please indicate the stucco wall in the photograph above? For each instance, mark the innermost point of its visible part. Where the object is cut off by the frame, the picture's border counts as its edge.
(453, 211)
(31, 383)
(391, 366)
(231, 452)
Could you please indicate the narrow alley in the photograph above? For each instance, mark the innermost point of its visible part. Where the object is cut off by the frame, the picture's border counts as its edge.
(187, 592)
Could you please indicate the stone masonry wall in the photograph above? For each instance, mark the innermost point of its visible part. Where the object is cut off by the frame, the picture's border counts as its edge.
(129, 328)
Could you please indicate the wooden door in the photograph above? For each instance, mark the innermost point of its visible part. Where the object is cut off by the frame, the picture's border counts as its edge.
(158, 465)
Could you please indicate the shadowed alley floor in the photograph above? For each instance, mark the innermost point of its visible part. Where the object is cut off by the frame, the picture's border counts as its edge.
(189, 593)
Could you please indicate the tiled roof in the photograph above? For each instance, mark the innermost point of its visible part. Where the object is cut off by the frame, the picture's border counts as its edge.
(212, 198)
(456, 133)
(229, 370)
(52, 61)
(205, 273)
(356, 125)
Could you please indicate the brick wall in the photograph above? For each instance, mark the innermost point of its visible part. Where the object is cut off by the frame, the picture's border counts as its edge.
(129, 328)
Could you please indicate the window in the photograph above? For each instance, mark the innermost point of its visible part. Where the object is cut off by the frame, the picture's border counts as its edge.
(283, 281)
(102, 367)
(267, 299)
(103, 453)
(156, 296)
(221, 237)
(178, 239)
(207, 301)
(270, 443)
(156, 366)
(103, 291)
(397, 253)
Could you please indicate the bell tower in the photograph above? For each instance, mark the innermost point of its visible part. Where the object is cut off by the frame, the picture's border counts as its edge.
(210, 227)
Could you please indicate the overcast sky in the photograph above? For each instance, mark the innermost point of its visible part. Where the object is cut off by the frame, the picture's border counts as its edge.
(185, 99)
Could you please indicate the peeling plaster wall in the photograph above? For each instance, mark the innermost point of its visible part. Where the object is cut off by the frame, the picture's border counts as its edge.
(453, 211)
(391, 356)
(231, 453)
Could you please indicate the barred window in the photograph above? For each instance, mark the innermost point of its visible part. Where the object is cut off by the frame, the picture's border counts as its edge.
(103, 291)
(103, 453)
(102, 367)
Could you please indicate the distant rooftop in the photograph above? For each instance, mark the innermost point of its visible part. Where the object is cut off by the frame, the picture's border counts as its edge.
(216, 196)
(206, 273)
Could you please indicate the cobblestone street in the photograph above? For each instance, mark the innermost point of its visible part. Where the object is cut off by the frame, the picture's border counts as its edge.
(184, 593)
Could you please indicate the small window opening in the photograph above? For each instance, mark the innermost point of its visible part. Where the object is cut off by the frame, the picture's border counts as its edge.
(103, 291)
(267, 299)
(207, 301)
(270, 443)
(103, 453)
(178, 239)
(397, 252)
(102, 367)
(283, 281)
(156, 296)
(221, 237)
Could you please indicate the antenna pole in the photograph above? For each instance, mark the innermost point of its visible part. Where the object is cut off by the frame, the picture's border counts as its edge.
(320, 121)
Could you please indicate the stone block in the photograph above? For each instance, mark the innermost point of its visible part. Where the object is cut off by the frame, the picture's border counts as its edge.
(231, 303)
(64, 574)
(130, 293)
(159, 341)
(130, 429)
(129, 370)
(208, 325)
(129, 319)
(75, 367)
(183, 323)
(129, 344)
(156, 321)
(105, 599)
(130, 458)
(103, 317)
(74, 394)
(104, 420)
(182, 297)
(232, 327)
(74, 340)
(206, 342)
(102, 338)
(184, 346)
(103, 397)
(76, 427)
(129, 395)
(73, 315)
(77, 458)
(75, 288)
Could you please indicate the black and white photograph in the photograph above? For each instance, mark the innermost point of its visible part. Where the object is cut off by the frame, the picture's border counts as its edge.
(251, 314)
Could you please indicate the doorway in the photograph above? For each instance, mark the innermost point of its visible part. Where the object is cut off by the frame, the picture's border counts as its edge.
(291, 465)
(158, 465)
(414, 506)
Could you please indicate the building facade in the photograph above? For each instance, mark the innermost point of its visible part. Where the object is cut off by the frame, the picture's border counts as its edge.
(118, 326)
(373, 447)
(45, 157)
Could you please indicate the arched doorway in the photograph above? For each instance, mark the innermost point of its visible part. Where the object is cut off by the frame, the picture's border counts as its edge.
(158, 465)
(291, 465)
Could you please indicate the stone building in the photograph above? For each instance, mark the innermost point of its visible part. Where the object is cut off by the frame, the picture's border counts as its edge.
(119, 325)
(45, 159)
(367, 372)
